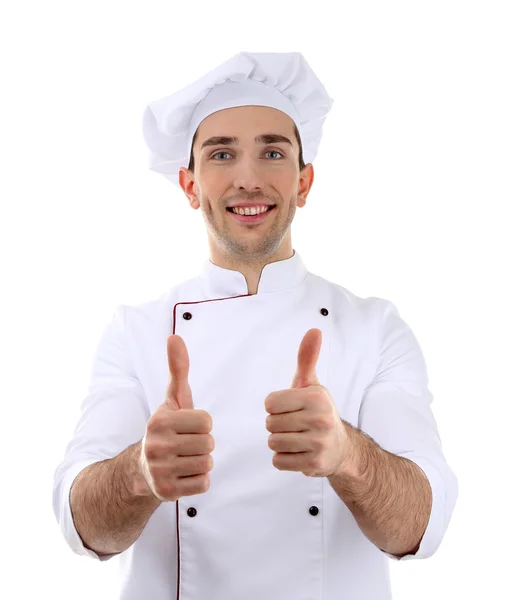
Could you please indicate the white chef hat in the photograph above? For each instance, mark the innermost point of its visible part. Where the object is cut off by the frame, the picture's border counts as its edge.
(281, 80)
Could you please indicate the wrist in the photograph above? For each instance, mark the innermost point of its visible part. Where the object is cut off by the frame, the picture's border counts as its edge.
(352, 465)
(137, 482)
(352, 478)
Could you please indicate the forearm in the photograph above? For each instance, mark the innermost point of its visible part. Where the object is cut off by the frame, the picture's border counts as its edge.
(111, 502)
(389, 496)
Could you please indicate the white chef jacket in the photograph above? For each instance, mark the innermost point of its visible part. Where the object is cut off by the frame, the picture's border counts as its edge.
(257, 533)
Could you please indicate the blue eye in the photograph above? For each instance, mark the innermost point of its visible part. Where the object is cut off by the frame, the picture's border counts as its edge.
(224, 152)
(217, 153)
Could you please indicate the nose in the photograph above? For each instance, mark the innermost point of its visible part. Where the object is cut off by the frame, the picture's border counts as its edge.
(248, 177)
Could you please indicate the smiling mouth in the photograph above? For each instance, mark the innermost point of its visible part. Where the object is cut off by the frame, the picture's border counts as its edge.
(252, 218)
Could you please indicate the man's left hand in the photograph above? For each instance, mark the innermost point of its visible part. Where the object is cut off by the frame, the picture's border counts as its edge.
(307, 433)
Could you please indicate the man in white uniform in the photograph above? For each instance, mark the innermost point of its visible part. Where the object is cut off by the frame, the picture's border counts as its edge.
(257, 431)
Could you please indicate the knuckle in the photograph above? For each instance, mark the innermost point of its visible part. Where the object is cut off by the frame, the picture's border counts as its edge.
(205, 462)
(153, 425)
(329, 423)
(151, 451)
(161, 448)
(159, 475)
(210, 443)
(204, 483)
(315, 463)
(270, 401)
(319, 446)
(276, 461)
(323, 422)
(165, 490)
(206, 421)
(315, 396)
(160, 421)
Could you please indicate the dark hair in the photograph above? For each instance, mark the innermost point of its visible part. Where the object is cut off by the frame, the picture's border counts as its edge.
(296, 133)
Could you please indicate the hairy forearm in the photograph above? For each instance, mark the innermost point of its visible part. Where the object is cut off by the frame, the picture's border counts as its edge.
(389, 496)
(111, 503)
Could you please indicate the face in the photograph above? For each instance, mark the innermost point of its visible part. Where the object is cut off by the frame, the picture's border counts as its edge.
(247, 170)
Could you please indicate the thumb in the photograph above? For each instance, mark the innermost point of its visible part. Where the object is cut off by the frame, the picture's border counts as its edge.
(179, 393)
(307, 358)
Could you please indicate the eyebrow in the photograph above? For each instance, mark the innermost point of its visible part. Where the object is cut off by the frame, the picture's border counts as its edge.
(266, 138)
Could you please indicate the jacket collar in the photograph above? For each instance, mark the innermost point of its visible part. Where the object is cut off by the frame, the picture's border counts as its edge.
(279, 276)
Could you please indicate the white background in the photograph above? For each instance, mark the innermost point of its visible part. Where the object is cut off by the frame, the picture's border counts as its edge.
(413, 201)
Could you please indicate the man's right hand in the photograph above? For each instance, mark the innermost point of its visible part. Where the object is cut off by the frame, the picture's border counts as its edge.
(175, 457)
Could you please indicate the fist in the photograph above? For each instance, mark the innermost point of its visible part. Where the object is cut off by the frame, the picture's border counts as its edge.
(175, 457)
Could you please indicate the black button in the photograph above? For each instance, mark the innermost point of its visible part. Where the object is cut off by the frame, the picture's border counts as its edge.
(324, 311)
(187, 315)
(191, 512)
(314, 511)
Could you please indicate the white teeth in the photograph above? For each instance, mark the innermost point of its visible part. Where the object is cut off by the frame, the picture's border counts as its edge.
(250, 211)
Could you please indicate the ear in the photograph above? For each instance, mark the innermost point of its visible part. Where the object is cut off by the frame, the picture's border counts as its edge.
(306, 179)
(187, 183)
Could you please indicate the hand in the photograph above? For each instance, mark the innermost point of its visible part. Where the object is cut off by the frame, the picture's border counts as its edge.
(307, 432)
(175, 455)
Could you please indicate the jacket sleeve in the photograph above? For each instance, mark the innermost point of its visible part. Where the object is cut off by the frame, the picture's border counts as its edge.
(395, 411)
(113, 415)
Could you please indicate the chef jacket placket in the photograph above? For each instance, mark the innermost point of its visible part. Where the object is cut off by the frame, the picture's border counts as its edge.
(237, 537)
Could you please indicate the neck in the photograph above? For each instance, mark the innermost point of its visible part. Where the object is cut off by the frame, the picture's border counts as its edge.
(250, 268)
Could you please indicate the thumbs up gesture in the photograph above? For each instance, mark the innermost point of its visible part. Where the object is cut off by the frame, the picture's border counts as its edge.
(175, 457)
(307, 433)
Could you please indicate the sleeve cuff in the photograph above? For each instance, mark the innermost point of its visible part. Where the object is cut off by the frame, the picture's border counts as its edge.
(67, 525)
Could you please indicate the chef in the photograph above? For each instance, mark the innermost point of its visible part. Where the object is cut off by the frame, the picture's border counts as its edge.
(256, 431)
